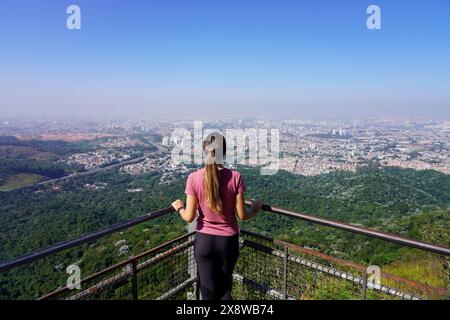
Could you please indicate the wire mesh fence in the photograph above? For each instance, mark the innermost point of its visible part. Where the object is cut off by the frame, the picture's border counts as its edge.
(165, 272)
(272, 269)
(266, 269)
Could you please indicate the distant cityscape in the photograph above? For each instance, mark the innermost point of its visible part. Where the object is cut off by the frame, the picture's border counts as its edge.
(307, 147)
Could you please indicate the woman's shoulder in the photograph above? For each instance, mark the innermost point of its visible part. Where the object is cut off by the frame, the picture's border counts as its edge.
(237, 180)
(234, 173)
(196, 173)
(227, 171)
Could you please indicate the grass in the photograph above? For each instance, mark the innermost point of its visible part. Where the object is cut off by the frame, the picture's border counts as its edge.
(427, 271)
(22, 152)
(21, 180)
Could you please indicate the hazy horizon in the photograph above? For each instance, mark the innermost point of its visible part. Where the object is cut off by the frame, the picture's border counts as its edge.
(233, 59)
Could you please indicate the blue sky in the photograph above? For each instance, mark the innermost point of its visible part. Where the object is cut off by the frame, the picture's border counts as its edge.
(234, 57)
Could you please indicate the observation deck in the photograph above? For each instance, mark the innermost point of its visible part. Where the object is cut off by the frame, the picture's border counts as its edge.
(267, 269)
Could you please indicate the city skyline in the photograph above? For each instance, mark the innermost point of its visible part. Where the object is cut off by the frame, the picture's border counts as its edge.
(238, 59)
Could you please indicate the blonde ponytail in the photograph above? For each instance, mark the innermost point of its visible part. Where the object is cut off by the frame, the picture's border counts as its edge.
(212, 188)
(212, 174)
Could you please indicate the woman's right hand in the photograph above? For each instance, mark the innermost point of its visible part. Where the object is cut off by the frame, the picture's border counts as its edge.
(243, 212)
(256, 205)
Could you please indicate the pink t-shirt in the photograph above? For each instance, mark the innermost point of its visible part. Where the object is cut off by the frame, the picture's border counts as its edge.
(231, 183)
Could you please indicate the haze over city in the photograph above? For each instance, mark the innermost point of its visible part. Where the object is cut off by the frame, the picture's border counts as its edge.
(233, 58)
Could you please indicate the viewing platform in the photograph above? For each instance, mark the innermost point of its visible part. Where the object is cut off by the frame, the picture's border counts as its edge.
(267, 269)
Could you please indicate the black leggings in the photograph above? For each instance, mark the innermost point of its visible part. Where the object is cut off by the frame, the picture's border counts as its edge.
(216, 257)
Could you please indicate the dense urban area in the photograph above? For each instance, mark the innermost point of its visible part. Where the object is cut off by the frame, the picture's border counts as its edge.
(307, 147)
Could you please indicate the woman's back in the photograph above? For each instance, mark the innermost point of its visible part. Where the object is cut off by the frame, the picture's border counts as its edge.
(217, 194)
(210, 222)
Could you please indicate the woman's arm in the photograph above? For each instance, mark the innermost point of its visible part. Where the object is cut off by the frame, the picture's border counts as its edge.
(187, 212)
(242, 212)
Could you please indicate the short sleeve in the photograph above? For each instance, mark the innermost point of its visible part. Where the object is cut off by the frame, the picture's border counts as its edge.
(190, 190)
(240, 184)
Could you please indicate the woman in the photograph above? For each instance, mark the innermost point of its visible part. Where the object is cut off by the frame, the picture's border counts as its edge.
(218, 194)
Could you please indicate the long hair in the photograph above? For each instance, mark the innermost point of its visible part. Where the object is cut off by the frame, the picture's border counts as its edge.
(214, 148)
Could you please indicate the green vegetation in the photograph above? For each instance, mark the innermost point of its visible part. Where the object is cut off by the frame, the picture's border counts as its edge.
(407, 202)
(20, 180)
(24, 163)
(44, 168)
(23, 152)
(57, 147)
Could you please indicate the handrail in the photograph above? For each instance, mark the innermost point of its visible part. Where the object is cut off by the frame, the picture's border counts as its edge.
(41, 253)
(121, 264)
(353, 229)
(341, 262)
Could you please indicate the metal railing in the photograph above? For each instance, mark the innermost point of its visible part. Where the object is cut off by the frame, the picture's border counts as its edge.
(274, 269)
(165, 272)
(51, 250)
(267, 268)
(358, 230)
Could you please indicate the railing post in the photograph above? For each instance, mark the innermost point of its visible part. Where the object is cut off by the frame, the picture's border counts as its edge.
(192, 265)
(364, 285)
(134, 288)
(285, 270)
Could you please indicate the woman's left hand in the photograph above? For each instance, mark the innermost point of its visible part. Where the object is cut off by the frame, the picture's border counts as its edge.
(178, 204)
